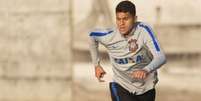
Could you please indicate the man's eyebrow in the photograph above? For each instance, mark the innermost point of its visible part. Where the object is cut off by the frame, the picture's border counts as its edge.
(123, 17)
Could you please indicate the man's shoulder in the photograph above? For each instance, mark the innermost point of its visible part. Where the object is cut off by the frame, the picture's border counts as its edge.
(99, 32)
(143, 24)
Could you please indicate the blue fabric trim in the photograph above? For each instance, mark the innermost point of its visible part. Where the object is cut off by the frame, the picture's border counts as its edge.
(100, 33)
(152, 36)
(114, 90)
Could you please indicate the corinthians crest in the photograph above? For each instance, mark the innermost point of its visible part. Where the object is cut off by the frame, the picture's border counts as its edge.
(133, 46)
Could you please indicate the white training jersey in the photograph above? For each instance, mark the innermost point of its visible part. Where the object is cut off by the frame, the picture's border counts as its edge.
(140, 50)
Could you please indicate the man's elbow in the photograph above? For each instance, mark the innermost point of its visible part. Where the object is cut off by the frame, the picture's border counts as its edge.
(163, 59)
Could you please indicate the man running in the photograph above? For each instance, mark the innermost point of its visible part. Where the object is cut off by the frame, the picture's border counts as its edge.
(134, 52)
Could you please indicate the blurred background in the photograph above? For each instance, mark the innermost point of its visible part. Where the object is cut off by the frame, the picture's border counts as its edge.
(44, 51)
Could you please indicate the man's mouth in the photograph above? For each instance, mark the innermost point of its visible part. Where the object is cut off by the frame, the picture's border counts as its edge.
(122, 28)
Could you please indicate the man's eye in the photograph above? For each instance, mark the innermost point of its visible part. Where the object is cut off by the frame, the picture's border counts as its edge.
(118, 18)
(125, 18)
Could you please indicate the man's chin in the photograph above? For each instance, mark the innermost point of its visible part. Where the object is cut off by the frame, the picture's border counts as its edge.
(123, 32)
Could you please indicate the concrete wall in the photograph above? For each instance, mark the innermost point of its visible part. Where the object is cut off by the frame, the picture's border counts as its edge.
(34, 62)
(179, 39)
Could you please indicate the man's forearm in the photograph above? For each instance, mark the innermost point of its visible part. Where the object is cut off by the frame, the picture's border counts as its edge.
(94, 52)
(156, 63)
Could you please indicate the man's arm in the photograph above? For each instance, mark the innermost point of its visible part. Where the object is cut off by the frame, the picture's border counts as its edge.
(158, 56)
(93, 45)
(99, 71)
(152, 43)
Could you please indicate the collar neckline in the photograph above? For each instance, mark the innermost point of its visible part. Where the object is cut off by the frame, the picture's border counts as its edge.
(132, 31)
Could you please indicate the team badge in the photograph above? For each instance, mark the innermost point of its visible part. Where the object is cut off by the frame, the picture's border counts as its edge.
(133, 46)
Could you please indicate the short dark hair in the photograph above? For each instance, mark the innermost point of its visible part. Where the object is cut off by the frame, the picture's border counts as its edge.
(126, 6)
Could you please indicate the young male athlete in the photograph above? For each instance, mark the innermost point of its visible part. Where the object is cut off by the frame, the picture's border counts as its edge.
(134, 52)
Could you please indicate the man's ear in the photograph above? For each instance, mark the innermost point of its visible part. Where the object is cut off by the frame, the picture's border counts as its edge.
(135, 18)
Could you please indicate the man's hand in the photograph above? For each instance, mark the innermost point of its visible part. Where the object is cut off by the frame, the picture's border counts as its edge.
(99, 73)
(139, 74)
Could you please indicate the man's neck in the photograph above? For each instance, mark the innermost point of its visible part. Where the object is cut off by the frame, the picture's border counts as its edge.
(131, 31)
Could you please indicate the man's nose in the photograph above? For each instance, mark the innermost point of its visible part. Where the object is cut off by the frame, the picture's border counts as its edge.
(122, 22)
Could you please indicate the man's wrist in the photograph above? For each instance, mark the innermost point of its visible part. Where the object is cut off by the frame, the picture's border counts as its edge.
(147, 70)
(97, 66)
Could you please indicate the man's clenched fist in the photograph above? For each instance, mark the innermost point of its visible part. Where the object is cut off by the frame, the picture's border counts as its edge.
(99, 73)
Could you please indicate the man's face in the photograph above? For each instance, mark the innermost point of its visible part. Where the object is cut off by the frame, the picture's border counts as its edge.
(125, 22)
